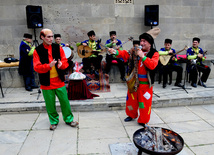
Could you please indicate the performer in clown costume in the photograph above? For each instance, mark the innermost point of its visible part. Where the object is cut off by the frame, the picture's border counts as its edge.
(147, 60)
(50, 62)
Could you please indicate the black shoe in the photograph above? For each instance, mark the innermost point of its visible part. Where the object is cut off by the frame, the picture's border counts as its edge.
(127, 119)
(34, 87)
(164, 85)
(178, 85)
(28, 89)
(194, 85)
(170, 83)
(123, 79)
(201, 84)
(142, 124)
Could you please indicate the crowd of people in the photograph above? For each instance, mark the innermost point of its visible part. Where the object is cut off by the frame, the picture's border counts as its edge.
(49, 61)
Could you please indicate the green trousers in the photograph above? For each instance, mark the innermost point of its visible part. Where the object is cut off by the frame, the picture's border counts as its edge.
(50, 102)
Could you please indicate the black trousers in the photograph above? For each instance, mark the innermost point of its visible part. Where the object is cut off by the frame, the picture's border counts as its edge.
(120, 64)
(194, 69)
(94, 61)
(170, 68)
(29, 81)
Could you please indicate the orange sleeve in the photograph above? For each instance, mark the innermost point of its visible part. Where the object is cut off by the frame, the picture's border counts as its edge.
(122, 54)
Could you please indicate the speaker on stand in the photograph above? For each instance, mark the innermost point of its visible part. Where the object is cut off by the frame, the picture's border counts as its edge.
(151, 18)
(34, 19)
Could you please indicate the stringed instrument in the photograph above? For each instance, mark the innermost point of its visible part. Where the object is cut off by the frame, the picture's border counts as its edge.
(84, 51)
(195, 61)
(129, 39)
(164, 59)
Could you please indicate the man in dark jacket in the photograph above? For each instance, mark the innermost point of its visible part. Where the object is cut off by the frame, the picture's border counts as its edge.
(26, 62)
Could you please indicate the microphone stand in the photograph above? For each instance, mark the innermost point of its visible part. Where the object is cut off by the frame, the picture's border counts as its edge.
(199, 77)
(36, 43)
(39, 91)
(184, 83)
(156, 95)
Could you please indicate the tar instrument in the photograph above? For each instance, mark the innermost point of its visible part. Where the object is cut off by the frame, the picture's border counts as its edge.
(194, 61)
(164, 59)
(106, 48)
(129, 39)
(68, 52)
(132, 79)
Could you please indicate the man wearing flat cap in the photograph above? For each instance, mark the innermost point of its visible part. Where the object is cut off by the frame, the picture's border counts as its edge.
(26, 62)
(196, 56)
(171, 65)
(141, 98)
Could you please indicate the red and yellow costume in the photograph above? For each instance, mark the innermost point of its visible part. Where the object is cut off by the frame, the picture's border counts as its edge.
(142, 98)
(52, 83)
(55, 81)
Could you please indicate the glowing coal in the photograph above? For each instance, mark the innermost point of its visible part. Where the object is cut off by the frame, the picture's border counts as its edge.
(156, 140)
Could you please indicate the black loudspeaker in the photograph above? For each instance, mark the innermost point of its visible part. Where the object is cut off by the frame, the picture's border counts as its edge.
(34, 16)
(151, 15)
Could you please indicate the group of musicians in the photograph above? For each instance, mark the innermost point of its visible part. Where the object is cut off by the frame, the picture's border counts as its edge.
(91, 65)
(49, 61)
(194, 58)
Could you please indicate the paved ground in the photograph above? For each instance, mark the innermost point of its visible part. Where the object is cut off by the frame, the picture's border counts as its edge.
(25, 130)
(28, 133)
(17, 99)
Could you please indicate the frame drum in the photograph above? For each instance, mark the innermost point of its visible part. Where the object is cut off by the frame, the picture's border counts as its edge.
(68, 52)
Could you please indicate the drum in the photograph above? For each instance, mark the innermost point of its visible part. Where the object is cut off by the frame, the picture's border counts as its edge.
(68, 52)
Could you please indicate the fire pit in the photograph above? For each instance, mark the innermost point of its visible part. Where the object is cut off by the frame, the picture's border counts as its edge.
(156, 140)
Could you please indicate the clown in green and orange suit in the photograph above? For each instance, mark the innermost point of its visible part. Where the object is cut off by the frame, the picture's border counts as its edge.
(142, 98)
(50, 62)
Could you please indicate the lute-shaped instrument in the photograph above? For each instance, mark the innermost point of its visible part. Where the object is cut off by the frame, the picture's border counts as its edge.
(164, 59)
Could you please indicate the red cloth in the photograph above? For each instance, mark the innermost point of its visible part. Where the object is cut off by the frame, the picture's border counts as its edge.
(142, 99)
(181, 56)
(78, 90)
(44, 68)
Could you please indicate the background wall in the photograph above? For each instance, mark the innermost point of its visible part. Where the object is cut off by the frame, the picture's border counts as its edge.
(179, 20)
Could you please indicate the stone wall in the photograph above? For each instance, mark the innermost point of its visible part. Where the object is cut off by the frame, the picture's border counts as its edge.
(179, 20)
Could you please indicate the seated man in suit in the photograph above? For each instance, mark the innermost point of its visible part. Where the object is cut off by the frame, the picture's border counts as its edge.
(196, 55)
(171, 65)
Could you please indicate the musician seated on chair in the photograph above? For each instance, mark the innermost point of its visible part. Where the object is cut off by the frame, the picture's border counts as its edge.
(115, 43)
(92, 64)
(196, 55)
(58, 40)
(171, 65)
